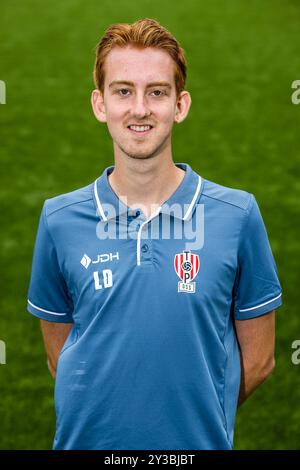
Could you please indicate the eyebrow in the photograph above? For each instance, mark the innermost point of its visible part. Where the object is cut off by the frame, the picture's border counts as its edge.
(150, 85)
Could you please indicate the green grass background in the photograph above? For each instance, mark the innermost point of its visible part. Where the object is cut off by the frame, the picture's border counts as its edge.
(242, 131)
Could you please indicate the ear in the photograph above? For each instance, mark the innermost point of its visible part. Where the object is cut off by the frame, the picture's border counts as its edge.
(183, 105)
(97, 101)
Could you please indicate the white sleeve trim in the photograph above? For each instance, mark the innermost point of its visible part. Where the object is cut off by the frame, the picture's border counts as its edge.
(261, 305)
(46, 311)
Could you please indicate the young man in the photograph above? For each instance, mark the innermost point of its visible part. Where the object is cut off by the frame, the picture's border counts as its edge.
(156, 288)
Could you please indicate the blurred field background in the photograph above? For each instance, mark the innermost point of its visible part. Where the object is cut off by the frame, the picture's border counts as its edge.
(243, 131)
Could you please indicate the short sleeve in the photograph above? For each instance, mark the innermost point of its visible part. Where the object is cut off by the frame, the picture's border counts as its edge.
(257, 288)
(48, 296)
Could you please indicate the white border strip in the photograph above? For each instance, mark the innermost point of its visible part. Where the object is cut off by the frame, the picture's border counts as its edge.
(261, 305)
(98, 202)
(43, 310)
(194, 198)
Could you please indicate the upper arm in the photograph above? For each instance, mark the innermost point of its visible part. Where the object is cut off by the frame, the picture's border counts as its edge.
(257, 289)
(48, 294)
(256, 337)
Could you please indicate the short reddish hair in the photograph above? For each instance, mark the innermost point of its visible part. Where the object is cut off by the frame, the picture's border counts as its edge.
(141, 34)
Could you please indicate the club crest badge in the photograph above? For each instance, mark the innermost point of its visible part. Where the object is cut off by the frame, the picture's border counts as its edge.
(186, 265)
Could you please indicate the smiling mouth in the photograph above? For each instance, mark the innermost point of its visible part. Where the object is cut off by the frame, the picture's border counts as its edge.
(139, 132)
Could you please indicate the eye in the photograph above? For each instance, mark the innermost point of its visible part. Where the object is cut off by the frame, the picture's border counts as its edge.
(159, 91)
(121, 90)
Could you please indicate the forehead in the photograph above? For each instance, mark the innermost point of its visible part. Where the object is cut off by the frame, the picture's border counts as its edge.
(139, 65)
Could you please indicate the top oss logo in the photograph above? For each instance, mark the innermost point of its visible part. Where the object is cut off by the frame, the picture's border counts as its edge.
(186, 265)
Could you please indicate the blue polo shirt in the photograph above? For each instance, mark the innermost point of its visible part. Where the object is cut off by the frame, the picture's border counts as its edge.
(152, 360)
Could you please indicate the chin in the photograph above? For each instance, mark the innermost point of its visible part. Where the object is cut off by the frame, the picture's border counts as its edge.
(139, 155)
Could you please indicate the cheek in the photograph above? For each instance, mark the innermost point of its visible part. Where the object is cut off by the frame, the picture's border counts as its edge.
(164, 114)
(115, 121)
(115, 109)
(114, 114)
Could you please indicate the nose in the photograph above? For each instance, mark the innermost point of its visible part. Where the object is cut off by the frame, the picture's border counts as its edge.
(140, 108)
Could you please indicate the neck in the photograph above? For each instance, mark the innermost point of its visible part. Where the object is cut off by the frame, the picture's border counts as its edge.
(146, 184)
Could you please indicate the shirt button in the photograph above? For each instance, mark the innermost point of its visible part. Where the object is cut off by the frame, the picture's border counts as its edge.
(145, 248)
(138, 213)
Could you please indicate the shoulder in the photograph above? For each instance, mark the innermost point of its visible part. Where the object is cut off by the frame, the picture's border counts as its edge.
(223, 195)
(62, 202)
